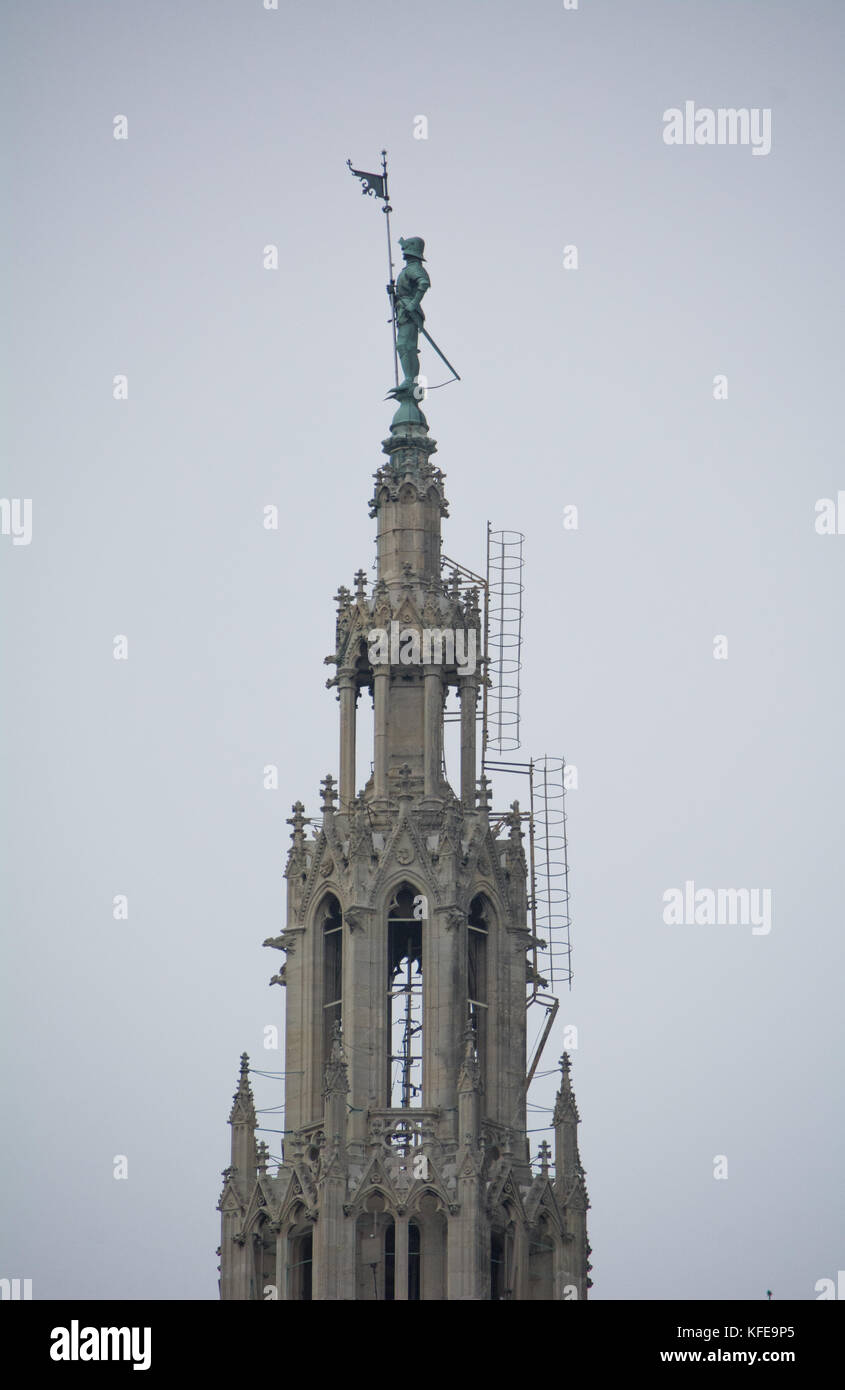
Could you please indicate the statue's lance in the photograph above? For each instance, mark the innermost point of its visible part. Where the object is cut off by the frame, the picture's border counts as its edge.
(375, 185)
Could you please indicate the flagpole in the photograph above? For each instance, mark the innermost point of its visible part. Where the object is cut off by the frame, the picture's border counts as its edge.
(391, 289)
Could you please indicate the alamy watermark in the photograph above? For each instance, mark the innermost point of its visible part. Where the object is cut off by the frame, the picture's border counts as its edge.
(830, 515)
(432, 646)
(76, 1343)
(15, 1289)
(16, 519)
(722, 907)
(726, 125)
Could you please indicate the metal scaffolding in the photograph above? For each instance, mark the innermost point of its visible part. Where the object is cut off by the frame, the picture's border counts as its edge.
(550, 867)
(502, 591)
(503, 640)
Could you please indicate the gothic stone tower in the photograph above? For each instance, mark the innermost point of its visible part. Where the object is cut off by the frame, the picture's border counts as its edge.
(406, 1171)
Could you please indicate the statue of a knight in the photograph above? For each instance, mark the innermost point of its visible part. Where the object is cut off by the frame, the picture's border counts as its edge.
(411, 285)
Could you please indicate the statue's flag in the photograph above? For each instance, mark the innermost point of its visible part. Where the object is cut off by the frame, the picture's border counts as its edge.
(373, 184)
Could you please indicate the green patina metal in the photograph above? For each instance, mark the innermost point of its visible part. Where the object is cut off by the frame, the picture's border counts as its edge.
(411, 285)
(407, 317)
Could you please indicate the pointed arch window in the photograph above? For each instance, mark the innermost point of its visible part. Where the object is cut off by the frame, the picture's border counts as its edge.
(404, 1000)
(477, 995)
(498, 1281)
(502, 1240)
(332, 934)
(301, 1247)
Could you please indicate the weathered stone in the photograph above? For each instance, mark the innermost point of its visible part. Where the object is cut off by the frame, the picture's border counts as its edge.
(420, 1187)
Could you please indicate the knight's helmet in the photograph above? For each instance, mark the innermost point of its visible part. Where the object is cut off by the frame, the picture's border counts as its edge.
(412, 246)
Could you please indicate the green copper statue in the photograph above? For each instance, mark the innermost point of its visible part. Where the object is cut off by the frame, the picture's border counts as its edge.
(411, 285)
(407, 318)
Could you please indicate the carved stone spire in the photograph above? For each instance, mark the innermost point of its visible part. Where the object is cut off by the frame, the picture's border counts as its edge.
(565, 1106)
(568, 1169)
(407, 904)
(242, 1118)
(243, 1108)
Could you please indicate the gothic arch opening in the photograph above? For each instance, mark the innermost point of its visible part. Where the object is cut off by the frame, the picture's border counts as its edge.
(478, 930)
(364, 680)
(502, 1252)
(404, 999)
(300, 1258)
(263, 1273)
(330, 924)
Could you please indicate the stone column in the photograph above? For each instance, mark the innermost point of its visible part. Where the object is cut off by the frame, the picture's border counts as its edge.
(329, 1232)
(468, 1267)
(281, 1262)
(444, 976)
(232, 1279)
(348, 696)
(241, 1268)
(400, 1268)
(433, 709)
(517, 1275)
(381, 696)
(468, 696)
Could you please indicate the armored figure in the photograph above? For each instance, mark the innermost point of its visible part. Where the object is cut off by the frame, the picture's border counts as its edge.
(411, 285)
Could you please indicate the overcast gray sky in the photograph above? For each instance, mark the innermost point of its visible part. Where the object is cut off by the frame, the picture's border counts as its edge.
(591, 387)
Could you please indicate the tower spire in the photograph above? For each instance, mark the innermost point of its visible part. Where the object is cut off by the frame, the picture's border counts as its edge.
(569, 1180)
(242, 1118)
(406, 1167)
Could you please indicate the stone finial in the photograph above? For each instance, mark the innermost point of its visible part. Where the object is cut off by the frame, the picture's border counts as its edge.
(342, 597)
(545, 1156)
(327, 788)
(404, 775)
(243, 1110)
(455, 584)
(262, 1154)
(298, 820)
(360, 583)
(565, 1105)
(484, 793)
(471, 606)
